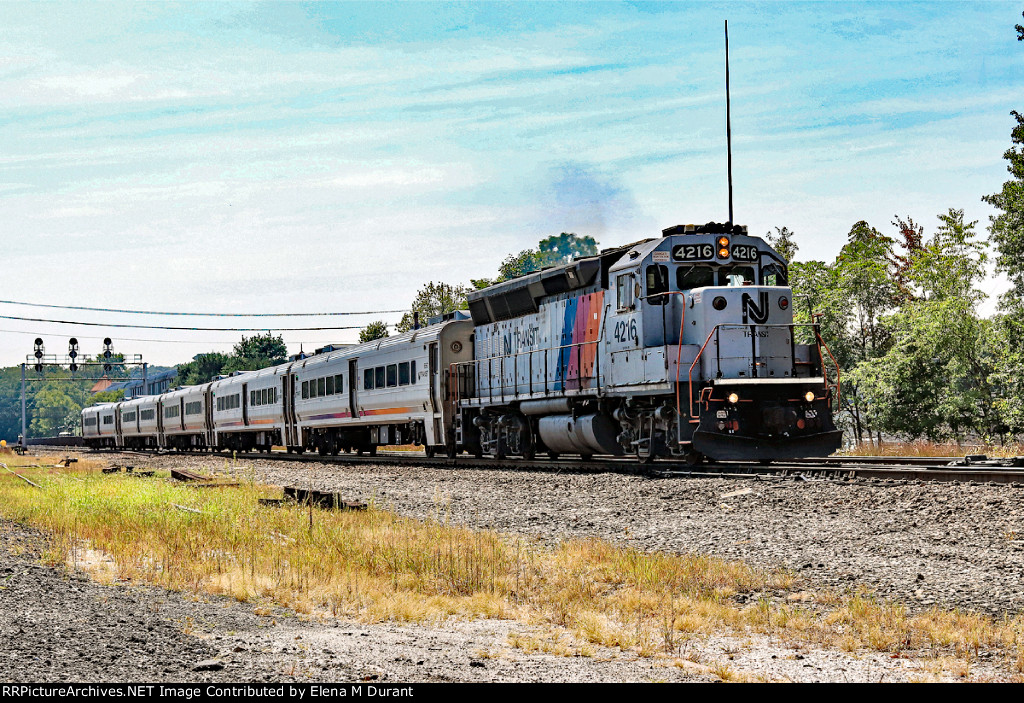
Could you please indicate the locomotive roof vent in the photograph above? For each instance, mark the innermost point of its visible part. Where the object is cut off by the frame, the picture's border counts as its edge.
(709, 228)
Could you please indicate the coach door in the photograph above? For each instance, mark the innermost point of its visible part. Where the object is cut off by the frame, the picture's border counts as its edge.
(160, 423)
(208, 414)
(353, 381)
(181, 414)
(245, 404)
(288, 406)
(435, 386)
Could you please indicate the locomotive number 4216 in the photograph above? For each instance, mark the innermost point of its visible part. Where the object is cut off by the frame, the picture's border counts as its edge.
(625, 330)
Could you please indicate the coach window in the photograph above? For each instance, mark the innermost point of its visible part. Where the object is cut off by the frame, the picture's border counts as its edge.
(412, 371)
(657, 282)
(368, 379)
(690, 277)
(735, 275)
(330, 385)
(339, 384)
(624, 291)
(392, 375)
(403, 373)
(321, 387)
(378, 377)
(305, 389)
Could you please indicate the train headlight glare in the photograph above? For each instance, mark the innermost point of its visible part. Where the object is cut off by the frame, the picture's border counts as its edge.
(733, 398)
(809, 396)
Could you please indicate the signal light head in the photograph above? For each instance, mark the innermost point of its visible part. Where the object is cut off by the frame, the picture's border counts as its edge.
(73, 342)
(107, 342)
(73, 367)
(39, 353)
(39, 341)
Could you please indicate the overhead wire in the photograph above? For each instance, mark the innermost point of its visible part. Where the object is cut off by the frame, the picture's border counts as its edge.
(206, 314)
(181, 329)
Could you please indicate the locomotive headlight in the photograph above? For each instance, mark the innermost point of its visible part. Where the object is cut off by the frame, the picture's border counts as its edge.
(719, 303)
(733, 398)
(723, 242)
(809, 396)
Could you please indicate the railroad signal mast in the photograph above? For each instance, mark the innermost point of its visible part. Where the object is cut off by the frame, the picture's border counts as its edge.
(73, 361)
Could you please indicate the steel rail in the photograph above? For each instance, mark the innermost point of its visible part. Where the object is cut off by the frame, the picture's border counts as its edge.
(917, 469)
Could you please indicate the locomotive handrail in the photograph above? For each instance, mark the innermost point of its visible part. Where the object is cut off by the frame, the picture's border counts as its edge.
(715, 332)
(562, 366)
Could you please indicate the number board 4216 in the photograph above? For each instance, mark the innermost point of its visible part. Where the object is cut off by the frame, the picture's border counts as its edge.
(744, 252)
(694, 252)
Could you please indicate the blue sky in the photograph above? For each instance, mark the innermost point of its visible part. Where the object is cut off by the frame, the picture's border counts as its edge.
(327, 157)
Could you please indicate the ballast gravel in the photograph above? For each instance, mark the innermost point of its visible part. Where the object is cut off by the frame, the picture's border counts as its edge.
(952, 545)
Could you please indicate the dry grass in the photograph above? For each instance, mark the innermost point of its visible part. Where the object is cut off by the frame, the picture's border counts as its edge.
(376, 566)
(924, 448)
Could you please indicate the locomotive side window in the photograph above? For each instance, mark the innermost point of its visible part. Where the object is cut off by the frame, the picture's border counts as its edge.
(774, 275)
(690, 277)
(624, 292)
(735, 275)
(657, 282)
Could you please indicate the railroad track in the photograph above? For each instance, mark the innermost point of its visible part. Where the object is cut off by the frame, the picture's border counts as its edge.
(976, 470)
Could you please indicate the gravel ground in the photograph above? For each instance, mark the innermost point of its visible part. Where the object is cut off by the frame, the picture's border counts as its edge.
(957, 546)
(953, 545)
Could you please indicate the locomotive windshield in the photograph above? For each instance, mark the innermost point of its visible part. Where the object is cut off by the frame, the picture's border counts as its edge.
(736, 276)
(689, 277)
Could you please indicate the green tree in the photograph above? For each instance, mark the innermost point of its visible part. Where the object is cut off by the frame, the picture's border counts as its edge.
(202, 369)
(563, 248)
(56, 408)
(434, 299)
(782, 241)
(1006, 234)
(257, 352)
(374, 330)
(933, 380)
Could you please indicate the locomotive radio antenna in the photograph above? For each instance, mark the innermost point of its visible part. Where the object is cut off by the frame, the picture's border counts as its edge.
(728, 118)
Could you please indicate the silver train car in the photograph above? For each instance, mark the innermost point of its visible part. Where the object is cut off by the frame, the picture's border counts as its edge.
(390, 391)
(680, 347)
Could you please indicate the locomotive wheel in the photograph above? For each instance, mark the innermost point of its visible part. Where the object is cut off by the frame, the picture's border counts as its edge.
(553, 456)
(373, 450)
(322, 449)
(430, 451)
